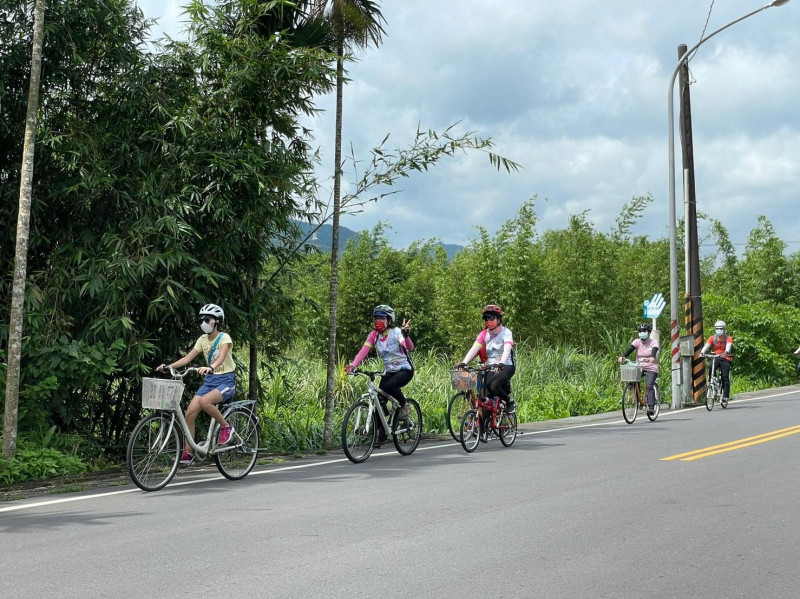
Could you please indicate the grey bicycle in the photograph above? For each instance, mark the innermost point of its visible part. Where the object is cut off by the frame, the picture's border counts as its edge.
(367, 417)
(155, 447)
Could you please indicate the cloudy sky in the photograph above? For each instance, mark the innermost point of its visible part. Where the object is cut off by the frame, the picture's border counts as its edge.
(576, 92)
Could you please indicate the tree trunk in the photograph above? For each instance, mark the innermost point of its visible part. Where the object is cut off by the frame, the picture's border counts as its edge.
(21, 251)
(334, 288)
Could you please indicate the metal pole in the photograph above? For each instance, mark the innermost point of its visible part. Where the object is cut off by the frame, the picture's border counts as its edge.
(675, 357)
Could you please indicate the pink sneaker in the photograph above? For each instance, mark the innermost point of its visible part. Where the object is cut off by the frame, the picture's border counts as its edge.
(186, 458)
(225, 434)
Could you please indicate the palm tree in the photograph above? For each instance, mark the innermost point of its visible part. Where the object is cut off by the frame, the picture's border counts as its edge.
(354, 24)
(21, 251)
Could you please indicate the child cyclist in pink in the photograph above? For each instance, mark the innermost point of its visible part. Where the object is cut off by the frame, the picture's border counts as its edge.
(497, 342)
(392, 345)
(220, 376)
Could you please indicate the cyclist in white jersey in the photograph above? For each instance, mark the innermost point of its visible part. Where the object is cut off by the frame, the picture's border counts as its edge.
(392, 345)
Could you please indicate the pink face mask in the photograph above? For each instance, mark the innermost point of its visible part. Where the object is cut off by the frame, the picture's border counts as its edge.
(380, 326)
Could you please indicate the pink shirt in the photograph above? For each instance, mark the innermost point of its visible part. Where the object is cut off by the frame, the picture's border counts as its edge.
(644, 349)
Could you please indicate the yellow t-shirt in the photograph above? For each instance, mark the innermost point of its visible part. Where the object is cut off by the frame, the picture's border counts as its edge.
(203, 346)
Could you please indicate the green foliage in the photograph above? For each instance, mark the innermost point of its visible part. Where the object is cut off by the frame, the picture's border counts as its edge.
(139, 220)
(36, 464)
(764, 337)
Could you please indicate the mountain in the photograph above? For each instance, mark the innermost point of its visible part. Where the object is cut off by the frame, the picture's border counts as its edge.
(325, 234)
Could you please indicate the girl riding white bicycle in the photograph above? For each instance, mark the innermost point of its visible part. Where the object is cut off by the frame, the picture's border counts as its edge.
(220, 375)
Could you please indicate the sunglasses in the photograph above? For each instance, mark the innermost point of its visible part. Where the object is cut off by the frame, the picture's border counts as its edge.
(489, 317)
(207, 319)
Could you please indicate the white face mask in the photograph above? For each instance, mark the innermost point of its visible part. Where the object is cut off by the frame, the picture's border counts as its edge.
(719, 332)
(207, 327)
(643, 335)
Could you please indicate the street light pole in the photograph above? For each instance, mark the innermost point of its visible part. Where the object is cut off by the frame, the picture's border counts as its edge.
(675, 364)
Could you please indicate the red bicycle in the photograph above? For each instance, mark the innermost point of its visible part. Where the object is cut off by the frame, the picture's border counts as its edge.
(488, 419)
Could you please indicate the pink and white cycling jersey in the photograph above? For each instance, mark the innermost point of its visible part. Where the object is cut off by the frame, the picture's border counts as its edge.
(644, 349)
(496, 344)
(391, 348)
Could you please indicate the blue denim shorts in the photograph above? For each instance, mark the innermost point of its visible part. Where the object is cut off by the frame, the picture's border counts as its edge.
(224, 383)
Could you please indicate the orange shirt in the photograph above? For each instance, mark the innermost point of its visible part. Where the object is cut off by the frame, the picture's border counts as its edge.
(718, 344)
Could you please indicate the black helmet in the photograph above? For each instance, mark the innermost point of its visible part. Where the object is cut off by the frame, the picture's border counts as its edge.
(645, 326)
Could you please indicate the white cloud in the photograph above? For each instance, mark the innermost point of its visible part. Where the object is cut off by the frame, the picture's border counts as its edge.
(577, 93)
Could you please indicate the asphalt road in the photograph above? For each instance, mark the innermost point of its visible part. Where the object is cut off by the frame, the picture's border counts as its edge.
(585, 508)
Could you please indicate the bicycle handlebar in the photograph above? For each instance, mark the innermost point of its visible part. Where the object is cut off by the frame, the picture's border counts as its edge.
(368, 373)
(177, 374)
(481, 368)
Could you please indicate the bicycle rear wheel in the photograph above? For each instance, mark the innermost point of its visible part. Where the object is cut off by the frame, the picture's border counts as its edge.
(409, 431)
(154, 451)
(722, 401)
(657, 405)
(507, 429)
(630, 403)
(456, 408)
(358, 433)
(237, 462)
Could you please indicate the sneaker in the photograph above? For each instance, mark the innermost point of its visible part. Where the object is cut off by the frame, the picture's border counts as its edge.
(186, 458)
(511, 406)
(650, 410)
(404, 412)
(225, 434)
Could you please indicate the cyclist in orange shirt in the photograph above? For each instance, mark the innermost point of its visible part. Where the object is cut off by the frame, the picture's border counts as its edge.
(722, 345)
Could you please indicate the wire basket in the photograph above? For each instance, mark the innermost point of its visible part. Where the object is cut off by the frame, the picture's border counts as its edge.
(161, 394)
(463, 380)
(630, 373)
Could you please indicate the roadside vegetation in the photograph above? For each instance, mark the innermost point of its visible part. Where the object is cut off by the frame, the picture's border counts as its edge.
(193, 197)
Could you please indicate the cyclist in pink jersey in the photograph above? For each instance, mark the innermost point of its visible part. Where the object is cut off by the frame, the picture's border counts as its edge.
(646, 350)
(393, 345)
(496, 343)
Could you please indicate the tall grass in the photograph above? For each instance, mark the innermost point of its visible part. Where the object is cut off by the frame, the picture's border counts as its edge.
(550, 382)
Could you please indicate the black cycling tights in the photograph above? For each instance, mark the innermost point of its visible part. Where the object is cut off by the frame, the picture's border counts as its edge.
(392, 382)
(498, 382)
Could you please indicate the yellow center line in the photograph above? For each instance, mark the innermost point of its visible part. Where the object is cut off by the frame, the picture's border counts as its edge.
(732, 445)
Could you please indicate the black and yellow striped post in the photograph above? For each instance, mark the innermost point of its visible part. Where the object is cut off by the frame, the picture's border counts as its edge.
(694, 327)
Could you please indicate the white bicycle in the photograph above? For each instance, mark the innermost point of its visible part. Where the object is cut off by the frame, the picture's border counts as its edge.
(366, 418)
(155, 447)
(714, 387)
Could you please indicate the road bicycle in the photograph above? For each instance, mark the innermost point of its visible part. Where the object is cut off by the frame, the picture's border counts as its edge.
(632, 396)
(376, 410)
(714, 387)
(500, 424)
(155, 447)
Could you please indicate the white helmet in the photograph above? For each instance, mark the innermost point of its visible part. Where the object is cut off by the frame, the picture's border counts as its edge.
(720, 324)
(212, 310)
(384, 310)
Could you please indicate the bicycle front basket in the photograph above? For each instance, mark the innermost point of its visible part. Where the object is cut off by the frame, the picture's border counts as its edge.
(630, 373)
(463, 380)
(161, 394)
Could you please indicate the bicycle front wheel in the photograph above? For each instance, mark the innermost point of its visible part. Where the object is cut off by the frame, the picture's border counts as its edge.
(711, 394)
(507, 429)
(456, 408)
(630, 403)
(470, 431)
(358, 433)
(154, 452)
(409, 431)
(237, 461)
